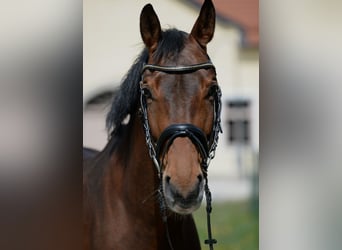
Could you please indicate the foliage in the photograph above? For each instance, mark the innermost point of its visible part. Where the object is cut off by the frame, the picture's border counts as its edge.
(235, 225)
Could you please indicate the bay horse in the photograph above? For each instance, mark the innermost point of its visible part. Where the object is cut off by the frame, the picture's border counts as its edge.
(140, 191)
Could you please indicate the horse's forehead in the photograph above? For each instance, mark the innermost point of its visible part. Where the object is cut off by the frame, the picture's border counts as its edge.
(187, 84)
(182, 84)
(191, 53)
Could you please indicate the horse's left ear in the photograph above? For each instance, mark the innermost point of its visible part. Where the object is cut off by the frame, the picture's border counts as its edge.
(203, 30)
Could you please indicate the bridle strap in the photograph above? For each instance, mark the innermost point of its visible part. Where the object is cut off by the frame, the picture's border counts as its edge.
(196, 135)
(178, 69)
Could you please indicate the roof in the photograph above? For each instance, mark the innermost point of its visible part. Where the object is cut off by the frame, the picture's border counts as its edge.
(242, 13)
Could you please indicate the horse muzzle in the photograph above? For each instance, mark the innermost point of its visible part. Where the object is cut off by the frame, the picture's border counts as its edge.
(183, 202)
(182, 148)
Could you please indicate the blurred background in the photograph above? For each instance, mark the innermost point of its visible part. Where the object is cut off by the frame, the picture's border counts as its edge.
(111, 41)
(41, 104)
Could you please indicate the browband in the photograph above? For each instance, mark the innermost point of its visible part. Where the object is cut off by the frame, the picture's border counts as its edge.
(178, 69)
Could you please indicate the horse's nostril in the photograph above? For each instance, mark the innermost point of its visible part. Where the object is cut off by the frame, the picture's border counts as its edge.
(168, 178)
(200, 178)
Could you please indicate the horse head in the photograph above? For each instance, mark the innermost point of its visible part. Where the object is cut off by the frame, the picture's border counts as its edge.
(179, 88)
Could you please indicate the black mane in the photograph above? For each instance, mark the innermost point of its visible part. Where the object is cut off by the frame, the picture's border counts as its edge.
(126, 100)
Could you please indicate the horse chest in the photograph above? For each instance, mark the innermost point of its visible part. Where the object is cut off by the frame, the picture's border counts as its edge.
(120, 228)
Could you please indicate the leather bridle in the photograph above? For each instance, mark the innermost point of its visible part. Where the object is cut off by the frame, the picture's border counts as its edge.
(206, 146)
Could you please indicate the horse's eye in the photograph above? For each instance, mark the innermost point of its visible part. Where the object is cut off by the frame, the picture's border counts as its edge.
(212, 92)
(147, 93)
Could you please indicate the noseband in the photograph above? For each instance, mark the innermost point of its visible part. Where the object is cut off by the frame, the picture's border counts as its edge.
(206, 146)
(196, 136)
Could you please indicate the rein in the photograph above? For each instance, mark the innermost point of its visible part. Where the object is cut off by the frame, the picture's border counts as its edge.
(205, 147)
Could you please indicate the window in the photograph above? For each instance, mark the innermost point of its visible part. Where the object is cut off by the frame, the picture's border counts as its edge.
(238, 121)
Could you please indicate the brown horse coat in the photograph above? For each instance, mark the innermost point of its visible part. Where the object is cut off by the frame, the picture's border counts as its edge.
(121, 208)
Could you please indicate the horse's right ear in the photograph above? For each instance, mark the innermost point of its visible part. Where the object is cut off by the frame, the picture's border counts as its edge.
(150, 29)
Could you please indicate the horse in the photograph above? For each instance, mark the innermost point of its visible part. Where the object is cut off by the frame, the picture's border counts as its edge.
(139, 192)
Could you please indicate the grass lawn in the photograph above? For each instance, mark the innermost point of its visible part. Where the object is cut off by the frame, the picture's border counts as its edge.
(235, 225)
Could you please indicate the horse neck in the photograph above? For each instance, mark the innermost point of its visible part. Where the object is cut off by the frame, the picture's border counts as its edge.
(137, 192)
(140, 180)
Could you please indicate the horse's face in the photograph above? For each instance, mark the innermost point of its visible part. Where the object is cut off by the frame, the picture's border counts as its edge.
(181, 98)
(176, 99)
